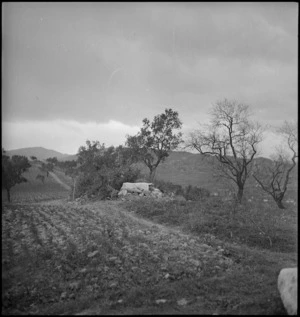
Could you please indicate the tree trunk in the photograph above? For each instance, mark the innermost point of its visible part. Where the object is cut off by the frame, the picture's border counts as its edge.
(8, 195)
(240, 194)
(74, 183)
(152, 174)
(279, 203)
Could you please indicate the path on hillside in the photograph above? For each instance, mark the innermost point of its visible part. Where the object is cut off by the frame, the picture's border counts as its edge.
(56, 178)
(173, 255)
(111, 261)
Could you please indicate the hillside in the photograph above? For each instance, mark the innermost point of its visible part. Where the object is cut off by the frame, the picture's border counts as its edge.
(145, 256)
(182, 168)
(41, 153)
(35, 190)
(142, 257)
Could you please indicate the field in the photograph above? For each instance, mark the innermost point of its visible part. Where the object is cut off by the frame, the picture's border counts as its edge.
(34, 190)
(143, 256)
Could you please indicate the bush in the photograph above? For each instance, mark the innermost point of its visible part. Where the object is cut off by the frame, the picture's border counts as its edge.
(169, 188)
(195, 193)
(129, 175)
(189, 193)
(102, 185)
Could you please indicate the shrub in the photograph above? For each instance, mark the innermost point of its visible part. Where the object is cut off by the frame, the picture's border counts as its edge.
(128, 175)
(189, 193)
(169, 188)
(102, 185)
(195, 193)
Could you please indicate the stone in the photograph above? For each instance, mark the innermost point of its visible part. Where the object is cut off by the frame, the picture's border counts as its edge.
(161, 301)
(182, 302)
(113, 284)
(156, 193)
(287, 286)
(74, 285)
(167, 276)
(92, 254)
(136, 187)
(122, 192)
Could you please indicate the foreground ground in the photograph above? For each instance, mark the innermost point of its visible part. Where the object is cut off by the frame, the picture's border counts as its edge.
(99, 258)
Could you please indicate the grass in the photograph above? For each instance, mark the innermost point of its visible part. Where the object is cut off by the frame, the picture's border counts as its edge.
(252, 287)
(100, 258)
(251, 224)
(34, 190)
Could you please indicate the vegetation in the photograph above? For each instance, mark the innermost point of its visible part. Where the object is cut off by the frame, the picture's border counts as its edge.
(189, 252)
(71, 169)
(104, 170)
(46, 168)
(192, 193)
(99, 259)
(274, 178)
(156, 139)
(52, 160)
(32, 191)
(249, 224)
(12, 170)
(231, 138)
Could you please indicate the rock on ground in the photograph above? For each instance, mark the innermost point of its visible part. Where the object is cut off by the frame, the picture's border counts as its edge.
(287, 286)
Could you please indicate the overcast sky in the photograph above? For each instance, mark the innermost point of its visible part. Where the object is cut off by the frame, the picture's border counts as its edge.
(77, 71)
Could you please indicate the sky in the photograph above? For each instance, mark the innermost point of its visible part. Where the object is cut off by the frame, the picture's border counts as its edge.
(81, 71)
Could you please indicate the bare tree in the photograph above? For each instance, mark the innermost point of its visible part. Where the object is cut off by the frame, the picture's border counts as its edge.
(232, 139)
(274, 179)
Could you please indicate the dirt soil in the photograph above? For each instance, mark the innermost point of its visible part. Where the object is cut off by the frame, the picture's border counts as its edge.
(97, 258)
(147, 254)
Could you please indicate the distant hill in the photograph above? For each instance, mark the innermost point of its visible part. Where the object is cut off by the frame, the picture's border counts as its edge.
(41, 153)
(184, 168)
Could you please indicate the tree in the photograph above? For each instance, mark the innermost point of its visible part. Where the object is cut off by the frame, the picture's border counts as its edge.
(33, 158)
(274, 179)
(102, 170)
(12, 170)
(156, 139)
(52, 160)
(232, 139)
(47, 168)
(71, 169)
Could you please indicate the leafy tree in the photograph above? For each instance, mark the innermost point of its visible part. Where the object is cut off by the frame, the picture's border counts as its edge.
(232, 139)
(156, 139)
(12, 170)
(33, 158)
(102, 170)
(274, 179)
(46, 168)
(52, 160)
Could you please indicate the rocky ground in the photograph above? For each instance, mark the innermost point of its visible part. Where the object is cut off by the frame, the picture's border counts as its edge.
(56, 254)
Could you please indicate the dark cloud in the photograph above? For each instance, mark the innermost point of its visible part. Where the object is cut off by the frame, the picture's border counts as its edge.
(126, 61)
